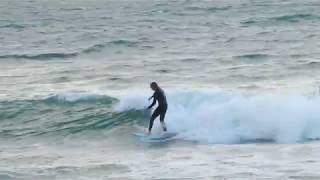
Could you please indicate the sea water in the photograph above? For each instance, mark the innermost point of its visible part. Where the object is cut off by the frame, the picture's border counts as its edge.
(241, 79)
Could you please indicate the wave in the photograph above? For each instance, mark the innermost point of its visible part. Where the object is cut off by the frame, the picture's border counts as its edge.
(76, 97)
(295, 17)
(307, 65)
(313, 64)
(73, 9)
(190, 60)
(124, 42)
(210, 9)
(39, 56)
(202, 116)
(65, 55)
(249, 22)
(15, 26)
(94, 48)
(62, 115)
(225, 117)
(253, 56)
(100, 47)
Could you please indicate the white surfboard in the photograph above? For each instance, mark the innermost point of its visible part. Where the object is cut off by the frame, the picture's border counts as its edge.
(156, 137)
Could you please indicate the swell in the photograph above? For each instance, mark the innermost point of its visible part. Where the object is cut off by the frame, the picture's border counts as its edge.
(64, 55)
(52, 55)
(313, 65)
(100, 47)
(294, 17)
(253, 56)
(290, 18)
(62, 115)
(209, 9)
(12, 25)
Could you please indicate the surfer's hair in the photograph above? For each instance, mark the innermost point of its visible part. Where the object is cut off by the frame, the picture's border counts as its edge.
(154, 84)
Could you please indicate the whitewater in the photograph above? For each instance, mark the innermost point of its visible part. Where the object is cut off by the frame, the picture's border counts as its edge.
(241, 79)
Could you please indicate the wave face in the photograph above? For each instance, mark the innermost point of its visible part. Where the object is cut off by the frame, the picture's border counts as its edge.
(223, 117)
(62, 115)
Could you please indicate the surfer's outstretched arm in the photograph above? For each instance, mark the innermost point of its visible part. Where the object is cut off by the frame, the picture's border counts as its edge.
(153, 103)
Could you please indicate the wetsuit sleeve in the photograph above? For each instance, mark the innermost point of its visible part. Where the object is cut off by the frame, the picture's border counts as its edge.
(153, 102)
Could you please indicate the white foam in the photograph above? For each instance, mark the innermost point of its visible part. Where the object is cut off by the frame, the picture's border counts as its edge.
(225, 117)
(135, 100)
(76, 96)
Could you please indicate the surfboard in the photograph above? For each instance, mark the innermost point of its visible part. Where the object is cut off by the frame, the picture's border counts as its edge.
(156, 137)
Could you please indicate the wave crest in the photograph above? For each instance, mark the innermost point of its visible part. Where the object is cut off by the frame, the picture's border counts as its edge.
(222, 117)
(75, 97)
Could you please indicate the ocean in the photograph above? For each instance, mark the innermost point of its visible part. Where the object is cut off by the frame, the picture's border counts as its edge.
(242, 80)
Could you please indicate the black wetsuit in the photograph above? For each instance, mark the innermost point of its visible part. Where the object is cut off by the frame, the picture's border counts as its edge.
(161, 109)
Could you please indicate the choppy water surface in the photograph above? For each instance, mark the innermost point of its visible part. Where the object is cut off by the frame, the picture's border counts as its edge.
(241, 78)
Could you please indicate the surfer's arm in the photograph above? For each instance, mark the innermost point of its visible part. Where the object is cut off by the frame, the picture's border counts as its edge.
(153, 103)
(151, 97)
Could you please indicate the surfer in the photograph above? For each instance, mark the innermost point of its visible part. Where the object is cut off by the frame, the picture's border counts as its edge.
(161, 110)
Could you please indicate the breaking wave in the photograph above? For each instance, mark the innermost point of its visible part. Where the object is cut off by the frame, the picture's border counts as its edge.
(202, 116)
(225, 117)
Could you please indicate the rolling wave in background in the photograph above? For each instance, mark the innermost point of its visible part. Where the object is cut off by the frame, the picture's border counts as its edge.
(65, 55)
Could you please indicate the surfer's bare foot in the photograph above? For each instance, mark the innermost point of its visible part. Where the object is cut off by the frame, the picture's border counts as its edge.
(148, 133)
(164, 127)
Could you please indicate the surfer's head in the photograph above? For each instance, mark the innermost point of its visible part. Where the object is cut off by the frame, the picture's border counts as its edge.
(154, 86)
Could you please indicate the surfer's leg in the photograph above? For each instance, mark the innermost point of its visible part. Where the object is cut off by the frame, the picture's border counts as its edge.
(164, 127)
(162, 116)
(154, 115)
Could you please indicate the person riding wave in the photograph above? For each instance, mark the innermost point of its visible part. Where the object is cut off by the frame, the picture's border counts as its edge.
(161, 110)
